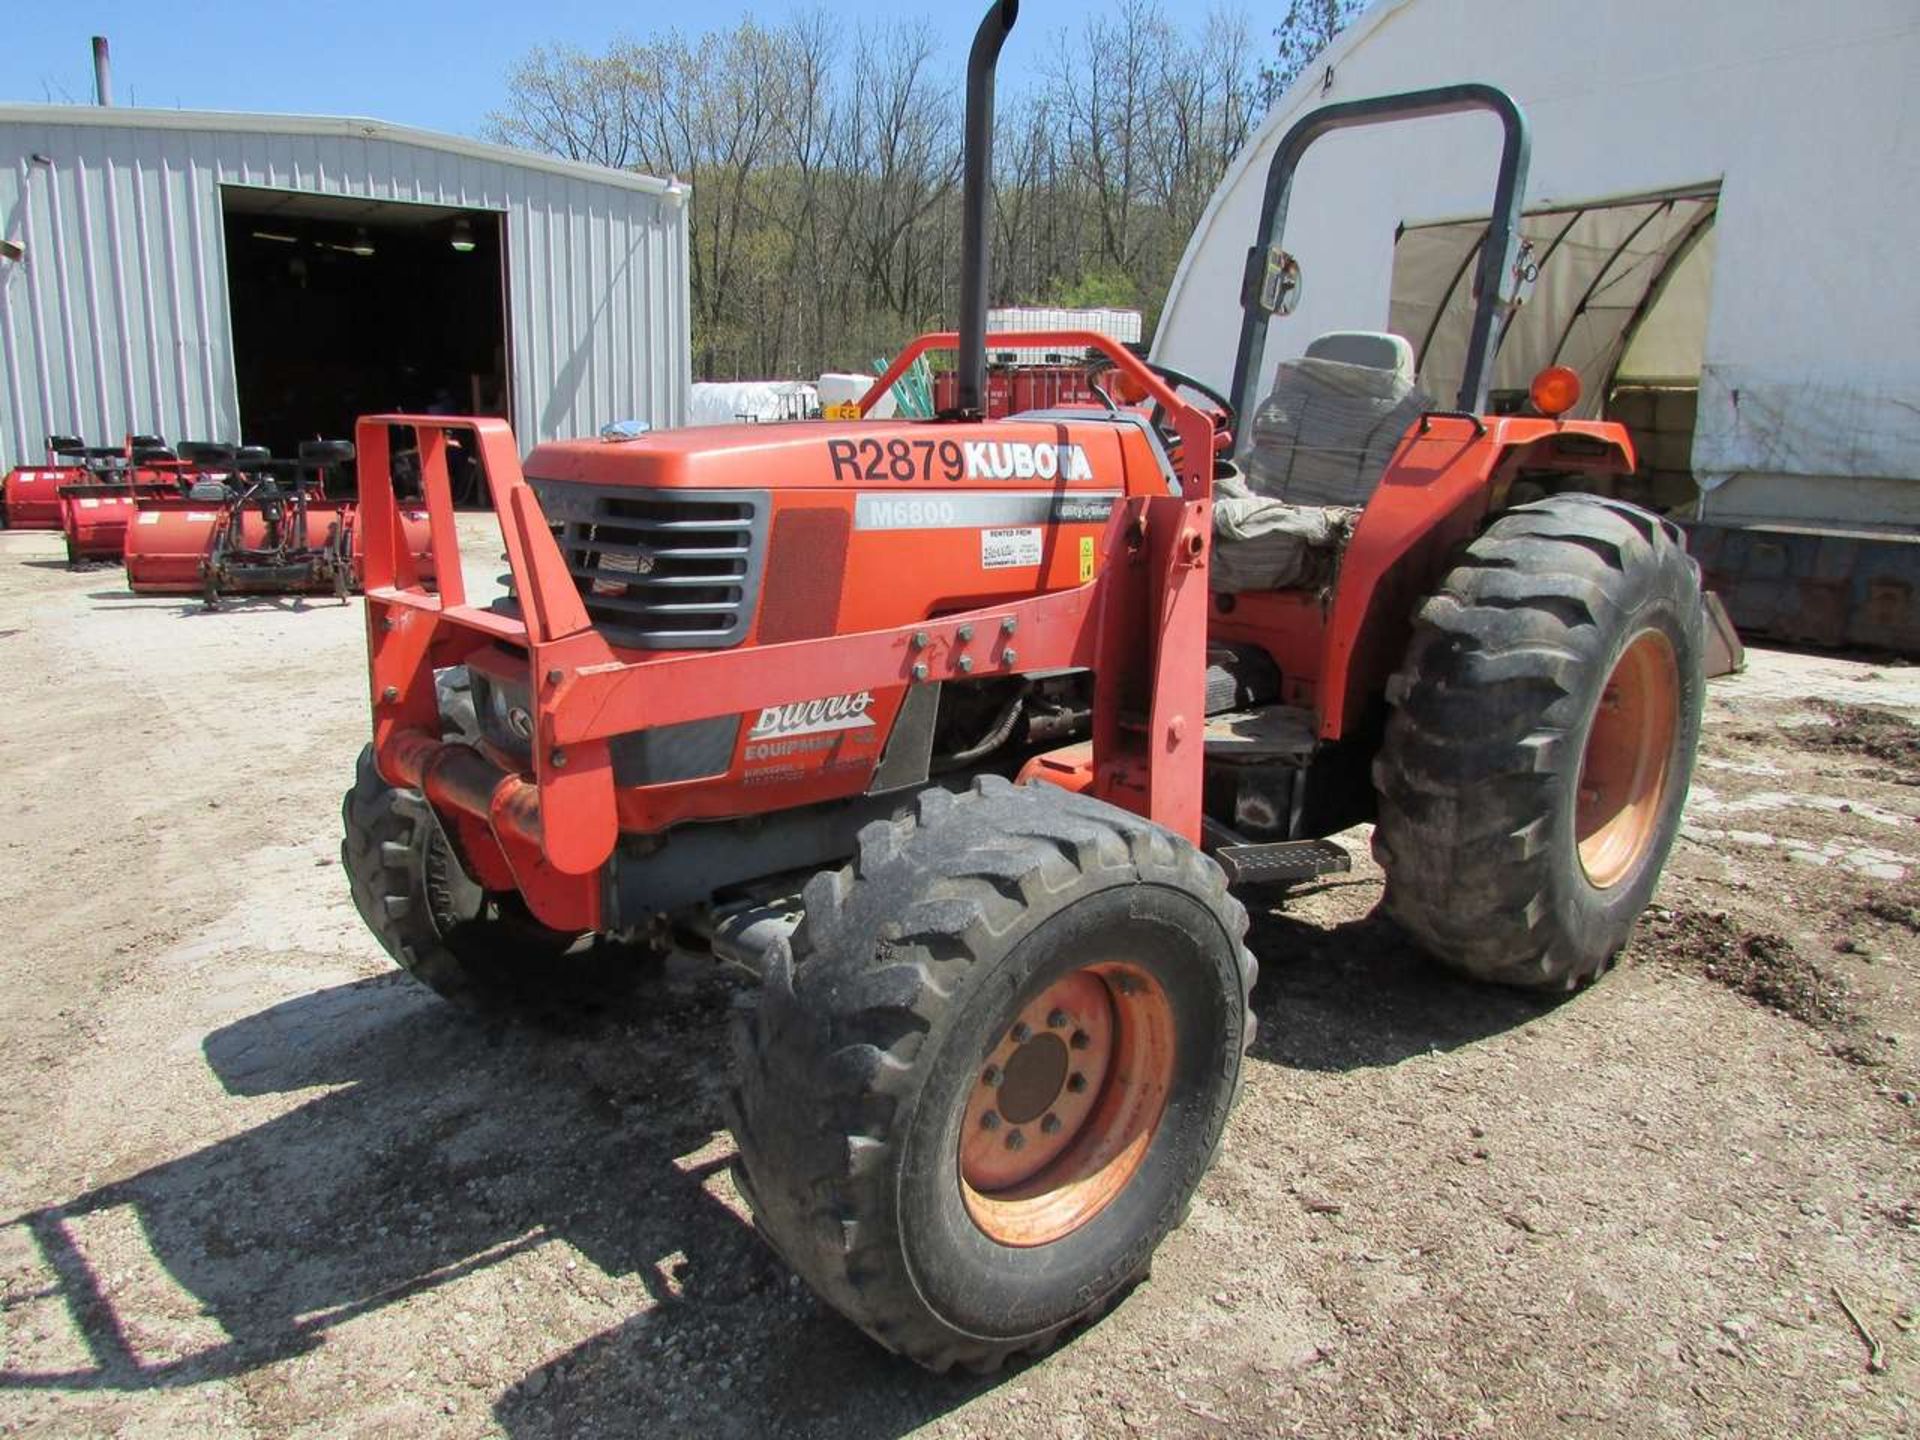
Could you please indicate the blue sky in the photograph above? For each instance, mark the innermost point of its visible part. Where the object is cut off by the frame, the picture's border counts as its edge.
(432, 63)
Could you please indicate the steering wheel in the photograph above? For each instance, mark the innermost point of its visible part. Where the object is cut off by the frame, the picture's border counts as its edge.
(1179, 379)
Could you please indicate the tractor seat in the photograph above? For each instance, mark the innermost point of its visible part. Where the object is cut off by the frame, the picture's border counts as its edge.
(1320, 443)
(1333, 418)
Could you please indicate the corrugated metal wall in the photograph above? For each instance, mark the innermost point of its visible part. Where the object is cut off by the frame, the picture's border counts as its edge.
(118, 318)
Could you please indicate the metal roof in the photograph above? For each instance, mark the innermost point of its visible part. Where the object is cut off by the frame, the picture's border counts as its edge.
(119, 318)
(349, 127)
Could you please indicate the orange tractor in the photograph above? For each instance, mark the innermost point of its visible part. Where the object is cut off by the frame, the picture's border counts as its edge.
(961, 735)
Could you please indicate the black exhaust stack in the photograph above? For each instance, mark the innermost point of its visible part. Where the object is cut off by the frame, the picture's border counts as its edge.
(976, 199)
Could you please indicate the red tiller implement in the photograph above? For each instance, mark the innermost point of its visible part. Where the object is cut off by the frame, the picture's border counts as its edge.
(95, 513)
(167, 538)
(30, 494)
(248, 525)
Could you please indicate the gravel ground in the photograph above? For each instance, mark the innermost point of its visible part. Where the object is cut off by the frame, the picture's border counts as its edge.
(256, 1183)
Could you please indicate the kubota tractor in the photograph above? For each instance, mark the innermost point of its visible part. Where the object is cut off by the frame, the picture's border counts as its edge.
(960, 733)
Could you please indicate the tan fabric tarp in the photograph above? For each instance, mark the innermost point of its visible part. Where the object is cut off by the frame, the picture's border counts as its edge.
(1600, 266)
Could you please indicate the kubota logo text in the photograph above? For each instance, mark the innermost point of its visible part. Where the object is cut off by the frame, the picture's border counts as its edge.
(1017, 460)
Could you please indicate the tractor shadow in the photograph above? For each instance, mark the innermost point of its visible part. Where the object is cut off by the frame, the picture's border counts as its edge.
(1358, 994)
(443, 1146)
(186, 607)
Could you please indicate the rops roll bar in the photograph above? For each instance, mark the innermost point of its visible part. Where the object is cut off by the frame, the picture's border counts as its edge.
(1262, 286)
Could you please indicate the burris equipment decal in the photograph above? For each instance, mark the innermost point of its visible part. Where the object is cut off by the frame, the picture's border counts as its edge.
(814, 717)
(910, 460)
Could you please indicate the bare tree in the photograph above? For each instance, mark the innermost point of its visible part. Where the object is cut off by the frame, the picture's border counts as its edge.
(1307, 29)
(824, 219)
(572, 104)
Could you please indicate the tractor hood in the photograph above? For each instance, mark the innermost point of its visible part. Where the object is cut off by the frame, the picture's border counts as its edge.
(827, 454)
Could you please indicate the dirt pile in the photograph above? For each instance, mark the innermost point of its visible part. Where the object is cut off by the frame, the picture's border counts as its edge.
(1763, 966)
(1879, 734)
(1901, 908)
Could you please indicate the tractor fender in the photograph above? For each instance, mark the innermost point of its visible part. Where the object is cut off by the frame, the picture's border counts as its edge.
(1449, 471)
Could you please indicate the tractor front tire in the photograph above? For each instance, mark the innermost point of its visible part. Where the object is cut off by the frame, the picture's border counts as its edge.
(1541, 741)
(480, 950)
(990, 1068)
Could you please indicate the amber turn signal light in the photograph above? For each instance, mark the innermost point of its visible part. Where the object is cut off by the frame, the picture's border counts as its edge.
(1555, 391)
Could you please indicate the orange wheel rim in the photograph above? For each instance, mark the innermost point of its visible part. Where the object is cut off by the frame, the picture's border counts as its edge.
(1065, 1104)
(1628, 762)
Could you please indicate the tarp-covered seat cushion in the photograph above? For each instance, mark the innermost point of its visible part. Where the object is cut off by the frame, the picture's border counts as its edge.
(1265, 544)
(1324, 434)
(1321, 441)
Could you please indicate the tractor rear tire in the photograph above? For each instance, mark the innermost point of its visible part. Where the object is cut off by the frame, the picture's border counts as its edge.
(989, 1069)
(482, 951)
(1541, 741)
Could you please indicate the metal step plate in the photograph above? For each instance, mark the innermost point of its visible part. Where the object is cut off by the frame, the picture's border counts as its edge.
(1283, 862)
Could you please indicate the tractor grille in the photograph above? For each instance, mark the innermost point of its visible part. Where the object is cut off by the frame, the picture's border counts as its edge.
(661, 569)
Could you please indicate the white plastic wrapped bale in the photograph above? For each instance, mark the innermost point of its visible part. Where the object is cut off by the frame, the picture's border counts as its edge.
(729, 402)
(1324, 434)
(845, 389)
(1265, 544)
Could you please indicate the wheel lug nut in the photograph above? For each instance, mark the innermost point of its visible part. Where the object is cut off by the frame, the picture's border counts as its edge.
(1056, 1020)
(1022, 1033)
(990, 1120)
(992, 1077)
(1077, 1083)
(1051, 1124)
(1081, 1040)
(1015, 1140)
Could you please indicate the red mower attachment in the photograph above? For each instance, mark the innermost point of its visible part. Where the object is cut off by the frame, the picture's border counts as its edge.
(95, 512)
(166, 540)
(30, 494)
(250, 525)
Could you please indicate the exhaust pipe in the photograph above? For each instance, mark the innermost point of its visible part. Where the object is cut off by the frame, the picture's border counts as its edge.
(102, 72)
(976, 198)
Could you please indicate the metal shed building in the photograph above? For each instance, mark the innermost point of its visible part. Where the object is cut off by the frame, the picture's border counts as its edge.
(266, 277)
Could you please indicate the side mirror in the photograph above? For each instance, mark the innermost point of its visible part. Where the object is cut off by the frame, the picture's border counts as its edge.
(1272, 281)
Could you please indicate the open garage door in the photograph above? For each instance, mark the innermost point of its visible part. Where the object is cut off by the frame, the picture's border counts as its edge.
(344, 306)
(1620, 295)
